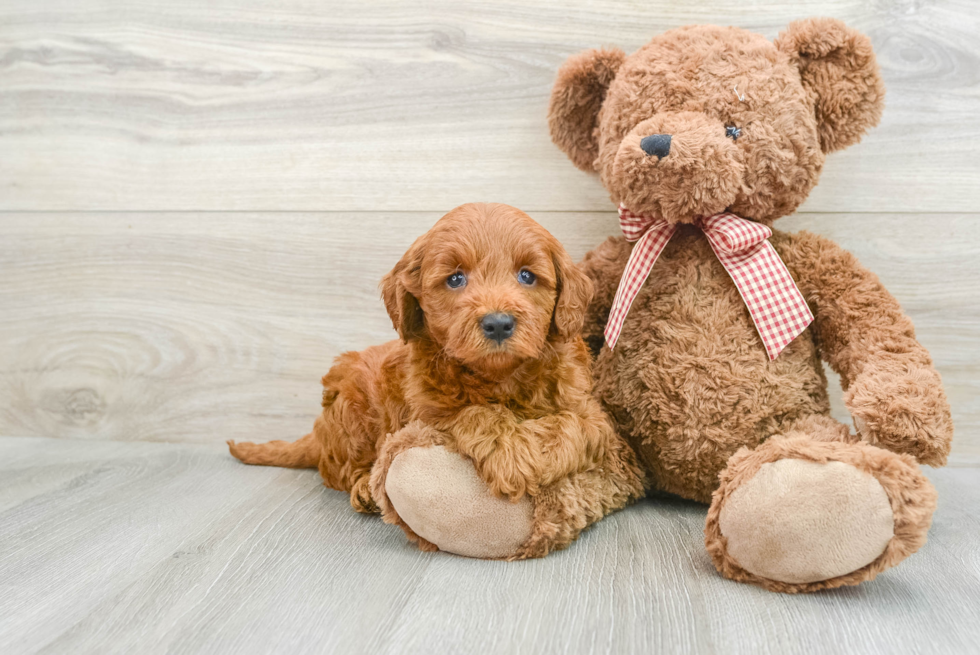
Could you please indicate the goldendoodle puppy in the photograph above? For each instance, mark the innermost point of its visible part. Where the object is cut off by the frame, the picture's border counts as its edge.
(490, 372)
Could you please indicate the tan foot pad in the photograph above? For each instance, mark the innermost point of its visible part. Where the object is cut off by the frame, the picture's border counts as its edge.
(798, 521)
(440, 496)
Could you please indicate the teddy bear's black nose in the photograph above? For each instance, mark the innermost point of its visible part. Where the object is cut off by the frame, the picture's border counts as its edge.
(656, 144)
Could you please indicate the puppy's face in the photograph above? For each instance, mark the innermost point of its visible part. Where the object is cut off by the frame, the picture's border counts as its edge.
(489, 286)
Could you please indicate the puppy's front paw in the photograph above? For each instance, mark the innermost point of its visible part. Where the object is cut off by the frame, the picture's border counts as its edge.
(439, 495)
(507, 477)
(360, 497)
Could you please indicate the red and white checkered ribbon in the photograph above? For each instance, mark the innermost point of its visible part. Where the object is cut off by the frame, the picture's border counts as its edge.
(776, 305)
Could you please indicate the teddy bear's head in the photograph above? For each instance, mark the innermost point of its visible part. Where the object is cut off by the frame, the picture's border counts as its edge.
(705, 119)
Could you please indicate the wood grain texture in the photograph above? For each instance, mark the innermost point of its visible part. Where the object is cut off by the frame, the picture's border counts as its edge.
(122, 325)
(176, 548)
(200, 328)
(393, 105)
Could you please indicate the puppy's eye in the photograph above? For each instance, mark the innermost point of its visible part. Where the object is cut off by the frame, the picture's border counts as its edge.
(733, 132)
(456, 280)
(526, 277)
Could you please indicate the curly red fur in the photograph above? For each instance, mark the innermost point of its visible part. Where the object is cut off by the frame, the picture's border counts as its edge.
(521, 410)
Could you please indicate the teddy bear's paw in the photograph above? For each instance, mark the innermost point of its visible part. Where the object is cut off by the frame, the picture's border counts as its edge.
(798, 521)
(903, 409)
(798, 514)
(439, 495)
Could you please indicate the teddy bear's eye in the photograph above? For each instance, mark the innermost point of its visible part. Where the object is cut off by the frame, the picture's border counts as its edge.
(733, 132)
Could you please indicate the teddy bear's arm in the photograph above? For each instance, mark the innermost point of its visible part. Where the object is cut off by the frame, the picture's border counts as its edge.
(604, 265)
(893, 392)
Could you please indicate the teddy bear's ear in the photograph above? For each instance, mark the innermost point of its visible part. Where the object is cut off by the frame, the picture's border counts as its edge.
(838, 66)
(576, 99)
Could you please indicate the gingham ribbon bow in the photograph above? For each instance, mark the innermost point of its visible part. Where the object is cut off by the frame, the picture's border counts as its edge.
(775, 303)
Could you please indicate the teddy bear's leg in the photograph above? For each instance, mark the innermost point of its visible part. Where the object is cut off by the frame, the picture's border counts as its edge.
(440, 502)
(437, 498)
(815, 508)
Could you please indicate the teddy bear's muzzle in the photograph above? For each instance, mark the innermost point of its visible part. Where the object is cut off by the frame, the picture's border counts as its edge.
(677, 166)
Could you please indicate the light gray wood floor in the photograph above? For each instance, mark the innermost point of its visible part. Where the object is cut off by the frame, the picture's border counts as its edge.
(177, 548)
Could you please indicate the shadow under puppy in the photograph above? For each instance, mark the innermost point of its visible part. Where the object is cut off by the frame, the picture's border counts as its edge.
(476, 432)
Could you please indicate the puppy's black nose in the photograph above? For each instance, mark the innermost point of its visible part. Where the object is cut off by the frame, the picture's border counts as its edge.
(656, 144)
(498, 326)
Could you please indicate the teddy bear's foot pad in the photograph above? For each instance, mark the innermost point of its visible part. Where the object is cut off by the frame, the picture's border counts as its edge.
(798, 521)
(443, 500)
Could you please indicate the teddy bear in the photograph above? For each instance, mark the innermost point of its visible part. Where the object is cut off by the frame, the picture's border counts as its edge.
(709, 327)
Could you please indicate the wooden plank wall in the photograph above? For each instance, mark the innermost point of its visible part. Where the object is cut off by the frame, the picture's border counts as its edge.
(198, 199)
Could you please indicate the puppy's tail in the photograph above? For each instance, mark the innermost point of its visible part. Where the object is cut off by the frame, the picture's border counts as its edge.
(301, 454)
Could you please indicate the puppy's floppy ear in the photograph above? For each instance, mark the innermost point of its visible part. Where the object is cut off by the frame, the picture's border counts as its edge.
(398, 289)
(838, 67)
(576, 99)
(574, 293)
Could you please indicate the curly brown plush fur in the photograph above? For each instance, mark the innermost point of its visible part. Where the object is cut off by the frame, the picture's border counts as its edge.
(520, 410)
(689, 383)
